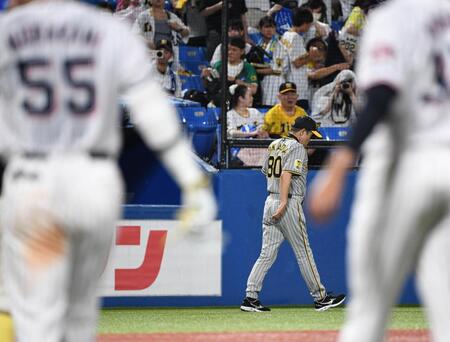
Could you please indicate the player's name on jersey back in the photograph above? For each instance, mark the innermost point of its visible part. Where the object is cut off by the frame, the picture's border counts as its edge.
(38, 33)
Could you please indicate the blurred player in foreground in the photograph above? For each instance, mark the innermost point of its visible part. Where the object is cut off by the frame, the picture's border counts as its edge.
(62, 66)
(401, 214)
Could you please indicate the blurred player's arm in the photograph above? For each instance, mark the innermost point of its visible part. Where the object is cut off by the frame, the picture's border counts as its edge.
(158, 122)
(327, 189)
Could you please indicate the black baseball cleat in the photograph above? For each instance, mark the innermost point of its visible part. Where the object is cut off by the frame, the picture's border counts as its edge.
(329, 301)
(253, 305)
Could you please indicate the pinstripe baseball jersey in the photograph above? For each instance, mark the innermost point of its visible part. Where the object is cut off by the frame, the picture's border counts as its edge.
(60, 76)
(286, 154)
(295, 46)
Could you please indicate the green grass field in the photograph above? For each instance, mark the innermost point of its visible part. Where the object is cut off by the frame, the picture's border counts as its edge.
(211, 319)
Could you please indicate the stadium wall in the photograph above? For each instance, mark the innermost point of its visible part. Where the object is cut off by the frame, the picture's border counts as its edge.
(241, 195)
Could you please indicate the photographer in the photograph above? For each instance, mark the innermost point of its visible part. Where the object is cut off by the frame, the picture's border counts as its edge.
(165, 76)
(334, 104)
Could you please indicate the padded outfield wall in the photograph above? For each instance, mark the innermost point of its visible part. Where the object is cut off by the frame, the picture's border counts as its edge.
(155, 267)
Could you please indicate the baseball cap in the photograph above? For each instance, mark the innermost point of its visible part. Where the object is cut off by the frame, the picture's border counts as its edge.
(287, 87)
(307, 123)
(164, 44)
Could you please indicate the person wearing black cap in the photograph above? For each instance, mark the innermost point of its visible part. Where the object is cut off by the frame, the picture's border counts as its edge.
(285, 168)
(165, 76)
(278, 120)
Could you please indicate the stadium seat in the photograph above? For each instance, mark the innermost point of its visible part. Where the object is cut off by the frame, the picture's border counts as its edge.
(200, 125)
(216, 112)
(191, 82)
(191, 54)
(335, 133)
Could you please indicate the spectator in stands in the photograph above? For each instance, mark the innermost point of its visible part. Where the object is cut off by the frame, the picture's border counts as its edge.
(282, 14)
(242, 120)
(271, 62)
(319, 28)
(196, 23)
(157, 24)
(240, 72)
(318, 72)
(212, 11)
(298, 56)
(235, 29)
(278, 120)
(345, 7)
(165, 75)
(334, 104)
(351, 32)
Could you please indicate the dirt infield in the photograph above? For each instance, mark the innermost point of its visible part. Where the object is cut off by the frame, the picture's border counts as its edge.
(304, 336)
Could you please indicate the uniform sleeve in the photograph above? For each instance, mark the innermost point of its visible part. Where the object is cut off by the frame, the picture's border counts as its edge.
(295, 160)
(382, 54)
(132, 61)
(265, 163)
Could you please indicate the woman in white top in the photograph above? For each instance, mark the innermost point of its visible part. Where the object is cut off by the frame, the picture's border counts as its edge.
(242, 120)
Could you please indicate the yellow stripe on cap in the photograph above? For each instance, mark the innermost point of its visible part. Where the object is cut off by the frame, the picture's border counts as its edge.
(317, 134)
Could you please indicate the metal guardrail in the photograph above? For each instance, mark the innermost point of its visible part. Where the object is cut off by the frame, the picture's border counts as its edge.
(321, 147)
(314, 143)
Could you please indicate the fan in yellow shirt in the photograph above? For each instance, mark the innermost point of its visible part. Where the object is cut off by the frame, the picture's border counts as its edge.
(278, 120)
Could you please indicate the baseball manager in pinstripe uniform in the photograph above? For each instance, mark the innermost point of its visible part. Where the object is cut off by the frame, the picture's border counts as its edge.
(285, 168)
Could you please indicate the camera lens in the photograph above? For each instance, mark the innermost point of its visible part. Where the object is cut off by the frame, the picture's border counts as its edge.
(345, 85)
(159, 54)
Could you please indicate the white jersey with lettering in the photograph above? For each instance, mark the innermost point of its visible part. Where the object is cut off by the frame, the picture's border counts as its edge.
(419, 69)
(401, 216)
(295, 47)
(289, 155)
(59, 76)
(63, 65)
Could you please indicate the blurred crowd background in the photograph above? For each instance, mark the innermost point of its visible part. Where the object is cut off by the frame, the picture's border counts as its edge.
(285, 58)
